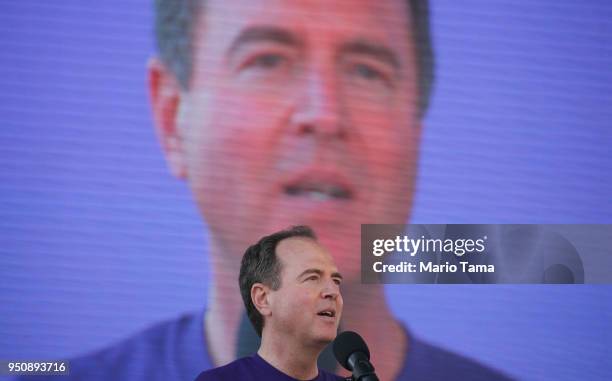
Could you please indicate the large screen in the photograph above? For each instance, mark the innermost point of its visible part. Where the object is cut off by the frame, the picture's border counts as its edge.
(137, 164)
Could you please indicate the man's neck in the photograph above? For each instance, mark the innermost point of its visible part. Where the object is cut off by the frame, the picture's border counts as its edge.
(296, 361)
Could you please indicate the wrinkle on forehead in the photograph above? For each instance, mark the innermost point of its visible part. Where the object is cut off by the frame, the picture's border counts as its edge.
(385, 20)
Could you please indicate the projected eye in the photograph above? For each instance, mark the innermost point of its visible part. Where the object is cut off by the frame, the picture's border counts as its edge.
(368, 73)
(266, 63)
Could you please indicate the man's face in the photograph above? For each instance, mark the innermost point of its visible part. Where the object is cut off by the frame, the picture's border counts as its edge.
(301, 112)
(308, 305)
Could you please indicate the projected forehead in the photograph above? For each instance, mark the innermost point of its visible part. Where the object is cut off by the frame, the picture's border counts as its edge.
(378, 29)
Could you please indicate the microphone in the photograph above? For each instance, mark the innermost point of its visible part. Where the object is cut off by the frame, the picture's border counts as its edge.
(353, 354)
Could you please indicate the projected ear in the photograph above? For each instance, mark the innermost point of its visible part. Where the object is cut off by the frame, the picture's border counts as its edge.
(165, 97)
(418, 125)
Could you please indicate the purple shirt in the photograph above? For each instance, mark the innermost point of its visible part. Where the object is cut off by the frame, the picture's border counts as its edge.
(175, 350)
(254, 368)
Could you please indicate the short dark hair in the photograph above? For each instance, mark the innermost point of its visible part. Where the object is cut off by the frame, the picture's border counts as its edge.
(261, 265)
(175, 19)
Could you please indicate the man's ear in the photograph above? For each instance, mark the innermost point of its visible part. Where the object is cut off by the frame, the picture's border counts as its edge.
(165, 96)
(260, 295)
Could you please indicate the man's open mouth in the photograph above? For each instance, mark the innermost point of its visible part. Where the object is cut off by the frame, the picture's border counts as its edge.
(328, 313)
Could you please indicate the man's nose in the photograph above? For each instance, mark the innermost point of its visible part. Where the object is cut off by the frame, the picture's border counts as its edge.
(331, 290)
(319, 105)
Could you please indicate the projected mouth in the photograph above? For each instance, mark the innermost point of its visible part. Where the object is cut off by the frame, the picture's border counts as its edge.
(319, 191)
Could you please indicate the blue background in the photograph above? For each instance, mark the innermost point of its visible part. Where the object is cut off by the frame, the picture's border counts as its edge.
(98, 241)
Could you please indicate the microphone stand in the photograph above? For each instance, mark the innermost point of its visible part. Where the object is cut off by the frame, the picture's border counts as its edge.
(363, 370)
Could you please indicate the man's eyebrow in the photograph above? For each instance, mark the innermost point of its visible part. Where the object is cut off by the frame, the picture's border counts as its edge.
(318, 272)
(310, 271)
(263, 34)
(373, 49)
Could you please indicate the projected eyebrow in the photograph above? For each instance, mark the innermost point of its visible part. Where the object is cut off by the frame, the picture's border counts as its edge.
(319, 272)
(373, 50)
(263, 34)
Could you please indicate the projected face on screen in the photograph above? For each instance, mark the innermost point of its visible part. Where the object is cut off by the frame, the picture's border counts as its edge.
(299, 112)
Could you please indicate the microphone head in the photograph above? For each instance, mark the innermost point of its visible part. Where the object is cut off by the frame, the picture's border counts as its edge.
(347, 343)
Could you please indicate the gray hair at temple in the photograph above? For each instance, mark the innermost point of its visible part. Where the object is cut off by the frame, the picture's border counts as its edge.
(174, 21)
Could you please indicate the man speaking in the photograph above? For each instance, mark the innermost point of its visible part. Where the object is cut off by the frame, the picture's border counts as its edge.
(291, 290)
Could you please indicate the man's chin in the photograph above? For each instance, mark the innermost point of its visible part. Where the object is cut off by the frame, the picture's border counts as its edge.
(323, 341)
(324, 338)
